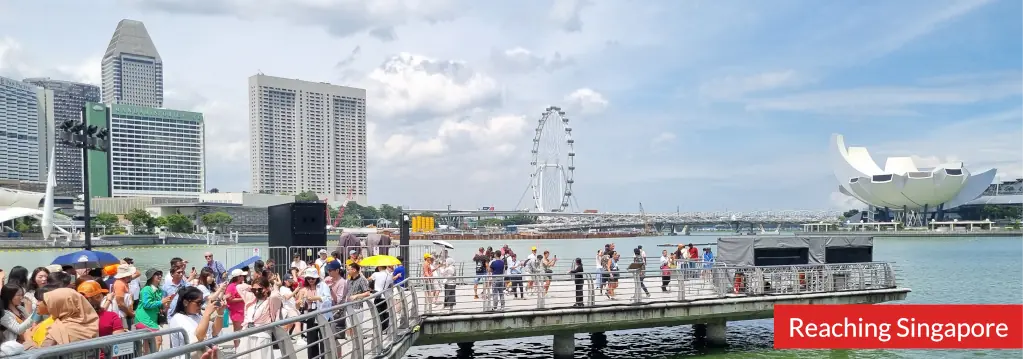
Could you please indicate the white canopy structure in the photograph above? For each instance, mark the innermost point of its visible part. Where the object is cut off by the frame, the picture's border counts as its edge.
(901, 185)
(20, 199)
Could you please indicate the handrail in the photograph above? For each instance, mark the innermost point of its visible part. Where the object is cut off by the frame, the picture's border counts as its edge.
(134, 337)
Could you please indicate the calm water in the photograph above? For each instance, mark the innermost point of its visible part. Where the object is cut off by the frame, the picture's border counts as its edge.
(939, 270)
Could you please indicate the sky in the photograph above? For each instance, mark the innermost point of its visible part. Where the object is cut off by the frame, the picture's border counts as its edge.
(679, 105)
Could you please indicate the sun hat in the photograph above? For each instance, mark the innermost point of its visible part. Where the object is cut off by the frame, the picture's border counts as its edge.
(53, 268)
(91, 288)
(152, 272)
(311, 272)
(124, 271)
(235, 273)
(110, 269)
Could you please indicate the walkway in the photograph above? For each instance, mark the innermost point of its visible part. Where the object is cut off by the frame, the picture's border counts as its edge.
(415, 316)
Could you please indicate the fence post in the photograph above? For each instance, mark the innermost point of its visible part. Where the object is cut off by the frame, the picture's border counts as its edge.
(329, 335)
(590, 285)
(286, 344)
(636, 286)
(358, 351)
(377, 342)
(682, 285)
(539, 285)
(404, 322)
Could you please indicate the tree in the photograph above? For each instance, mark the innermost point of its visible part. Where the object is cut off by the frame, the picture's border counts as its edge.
(307, 196)
(216, 220)
(178, 223)
(160, 222)
(393, 214)
(214, 190)
(519, 220)
(142, 221)
(351, 221)
(107, 221)
(851, 213)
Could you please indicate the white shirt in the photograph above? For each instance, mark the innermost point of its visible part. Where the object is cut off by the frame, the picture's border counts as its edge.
(189, 322)
(381, 280)
(301, 265)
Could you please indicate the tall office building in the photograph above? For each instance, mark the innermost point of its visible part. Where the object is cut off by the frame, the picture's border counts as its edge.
(26, 116)
(68, 100)
(133, 73)
(153, 152)
(307, 136)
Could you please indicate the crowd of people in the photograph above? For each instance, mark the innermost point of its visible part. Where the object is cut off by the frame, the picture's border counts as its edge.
(56, 305)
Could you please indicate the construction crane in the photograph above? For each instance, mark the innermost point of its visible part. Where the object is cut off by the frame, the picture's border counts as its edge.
(646, 221)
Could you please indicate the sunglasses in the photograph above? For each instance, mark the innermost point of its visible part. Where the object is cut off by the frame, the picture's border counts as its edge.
(256, 288)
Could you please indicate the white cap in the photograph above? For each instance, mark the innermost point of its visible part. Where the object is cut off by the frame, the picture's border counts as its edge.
(310, 272)
(236, 273)
(124, 270)
(322, 251)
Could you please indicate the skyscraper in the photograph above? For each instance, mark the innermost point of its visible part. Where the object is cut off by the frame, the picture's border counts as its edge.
(133, 73)
(26, 115)
(68, 100)
(307, 136)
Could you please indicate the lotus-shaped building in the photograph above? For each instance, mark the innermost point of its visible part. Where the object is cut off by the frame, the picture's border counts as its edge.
(901, 185)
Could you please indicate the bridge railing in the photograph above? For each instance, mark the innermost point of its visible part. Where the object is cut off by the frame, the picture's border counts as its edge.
(128, 345)
(486, 293)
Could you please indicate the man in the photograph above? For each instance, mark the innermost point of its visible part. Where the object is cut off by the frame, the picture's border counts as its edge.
(498, 284)
(173, 284)
(217, 267)
(320, 262)
(399, 273)
(481, 270)
(381, 280)
(298, 263)
(123, 301)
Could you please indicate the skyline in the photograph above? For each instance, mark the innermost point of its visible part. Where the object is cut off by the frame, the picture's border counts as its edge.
(707, 108)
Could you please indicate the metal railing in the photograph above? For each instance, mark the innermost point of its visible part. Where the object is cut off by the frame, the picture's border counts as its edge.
(379, 324)
(128, 345)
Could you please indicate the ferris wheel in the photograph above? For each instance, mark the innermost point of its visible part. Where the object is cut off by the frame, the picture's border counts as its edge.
(553, 161)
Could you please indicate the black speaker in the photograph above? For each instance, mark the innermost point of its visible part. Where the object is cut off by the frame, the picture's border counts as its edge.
(297, 224)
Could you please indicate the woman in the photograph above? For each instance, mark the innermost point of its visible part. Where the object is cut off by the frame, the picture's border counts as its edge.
(234, 301)
(666, 273)
(263, 309)
(36, 336)
(37, 280)
(73, 318)
(314, 296)
(548, 263)
(613, 278)
(151, 301)
(206, 283)
(18, 277)
(16, 320)
(515, 269)
(599, 265)
(199, 323)
(428, 275)
(577, 272)
(448, 275)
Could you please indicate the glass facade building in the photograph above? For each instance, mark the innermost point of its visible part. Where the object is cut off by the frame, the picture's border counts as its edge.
(68, 100)
(23, 128)
(156, 152)
(133, 73)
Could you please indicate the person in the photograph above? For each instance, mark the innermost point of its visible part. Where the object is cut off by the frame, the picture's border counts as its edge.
(599, 263)
(498, 284)
(151, 301)
(15, 320)
(262, 309)
(613, 274)
(709, 261)
(199, 324)
(577, 278)
(666, 273)
(235, 302)
(298, 263)
(216, 267)
(122, 301)
(480, 259)
(428, 278)
(39, 331)
(18, 277)
(321, 260)
(110, 323)
(515, 270)
(547, 263)
(640, 264)
(73, 318)
(206, 283)
(448, 274)
(313, 297)
(176, 282)
(37, 280)
(338, 289)
(357, 289)
(381, 286)
(398, 276)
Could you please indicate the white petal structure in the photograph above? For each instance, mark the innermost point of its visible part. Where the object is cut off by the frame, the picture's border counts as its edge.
(901, 184)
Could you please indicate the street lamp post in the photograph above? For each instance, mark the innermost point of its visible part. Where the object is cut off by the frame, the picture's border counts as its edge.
(403, 237)
(85, 137)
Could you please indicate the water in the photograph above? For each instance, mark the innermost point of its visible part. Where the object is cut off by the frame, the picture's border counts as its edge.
(938, 270)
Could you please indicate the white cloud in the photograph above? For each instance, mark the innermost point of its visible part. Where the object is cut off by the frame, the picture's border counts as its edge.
(732, 87)
(587, 101)
(661, 140)
(17, 64)
(415, 85)
(567, 14)
(520, 60)
(843, 202)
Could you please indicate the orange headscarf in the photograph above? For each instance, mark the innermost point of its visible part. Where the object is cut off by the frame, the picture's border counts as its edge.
(74, 318)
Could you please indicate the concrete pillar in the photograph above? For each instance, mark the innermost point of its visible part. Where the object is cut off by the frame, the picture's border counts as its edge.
(564, 346)
(715, 333)
(465, 345)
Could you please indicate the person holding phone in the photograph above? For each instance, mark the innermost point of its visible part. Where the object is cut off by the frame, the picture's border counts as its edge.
(548, 263)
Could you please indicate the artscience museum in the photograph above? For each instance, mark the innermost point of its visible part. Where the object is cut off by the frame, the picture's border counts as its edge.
(901, 189)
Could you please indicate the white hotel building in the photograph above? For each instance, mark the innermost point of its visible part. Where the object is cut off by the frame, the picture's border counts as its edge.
(156, 152)
(307, 136)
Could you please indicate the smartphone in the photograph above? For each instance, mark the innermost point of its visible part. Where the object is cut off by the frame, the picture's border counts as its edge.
(193, 269)
(218, 302)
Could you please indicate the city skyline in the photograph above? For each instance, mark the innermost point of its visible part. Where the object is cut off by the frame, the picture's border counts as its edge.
(725, 107)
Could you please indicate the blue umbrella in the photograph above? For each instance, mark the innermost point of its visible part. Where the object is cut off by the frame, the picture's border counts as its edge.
(244, 263)
(86, 259)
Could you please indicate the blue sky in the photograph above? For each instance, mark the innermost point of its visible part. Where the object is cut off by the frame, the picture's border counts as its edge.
(698, 104)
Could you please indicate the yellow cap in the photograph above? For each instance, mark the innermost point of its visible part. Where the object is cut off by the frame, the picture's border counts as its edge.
(330, 258)
(426, 255)
(533, 248)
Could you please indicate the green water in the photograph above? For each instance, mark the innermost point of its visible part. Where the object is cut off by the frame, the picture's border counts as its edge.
(938, 270)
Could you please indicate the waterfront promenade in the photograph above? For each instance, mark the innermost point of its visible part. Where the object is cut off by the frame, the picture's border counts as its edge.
(414, 315)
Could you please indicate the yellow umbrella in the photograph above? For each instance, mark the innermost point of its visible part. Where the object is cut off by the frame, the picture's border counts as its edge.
(379, 261)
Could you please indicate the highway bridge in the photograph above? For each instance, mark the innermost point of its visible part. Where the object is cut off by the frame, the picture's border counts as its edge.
(563, 221)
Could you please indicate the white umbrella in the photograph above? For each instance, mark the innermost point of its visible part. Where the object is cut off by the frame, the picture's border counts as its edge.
(445, 244)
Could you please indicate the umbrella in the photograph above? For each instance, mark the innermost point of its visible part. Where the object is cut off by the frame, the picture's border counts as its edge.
(86, 259)
(445, 244)
(244, 263)
(379, 261)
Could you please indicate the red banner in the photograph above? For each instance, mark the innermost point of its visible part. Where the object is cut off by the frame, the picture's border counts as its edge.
(864, 326)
